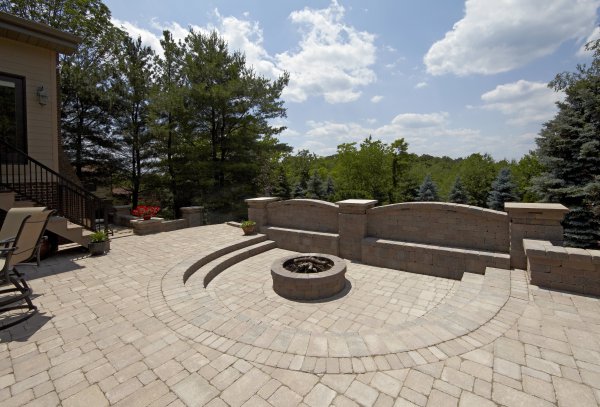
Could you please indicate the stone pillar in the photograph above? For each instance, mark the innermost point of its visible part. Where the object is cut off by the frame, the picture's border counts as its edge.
(194, 215)
(352, 218)
(257, 210)
(540, 221)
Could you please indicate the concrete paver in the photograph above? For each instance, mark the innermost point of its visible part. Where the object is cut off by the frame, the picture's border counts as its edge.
(124, 329)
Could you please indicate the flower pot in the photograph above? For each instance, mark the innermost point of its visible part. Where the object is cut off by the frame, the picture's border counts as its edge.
(97, 248)
(147, 217)
(249, 230)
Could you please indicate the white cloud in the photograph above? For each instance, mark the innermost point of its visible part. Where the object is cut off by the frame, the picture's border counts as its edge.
(421, 85)
(523, 101)
(376, 99)
(332, 60)
(501, 35)
(595, 35)
(429, 133)
(149, 38)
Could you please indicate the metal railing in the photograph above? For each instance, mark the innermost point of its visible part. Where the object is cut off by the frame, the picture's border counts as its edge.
(36, 182)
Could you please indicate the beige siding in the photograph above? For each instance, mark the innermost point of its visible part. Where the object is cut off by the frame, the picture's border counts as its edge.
(38, 66)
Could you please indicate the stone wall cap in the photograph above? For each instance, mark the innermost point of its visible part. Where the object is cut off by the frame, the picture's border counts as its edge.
(527, 207)
(261, 202)
(359, 202)
(191, 208)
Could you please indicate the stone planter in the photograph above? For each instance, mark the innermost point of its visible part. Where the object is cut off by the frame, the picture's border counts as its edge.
(249, 230)
(98, 248)
(147, 227)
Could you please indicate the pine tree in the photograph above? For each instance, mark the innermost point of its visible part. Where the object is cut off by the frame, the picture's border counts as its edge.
(314, 189)
(298, 192)
(428, 191)
(503, 190)
(282, 188)
(458, 194)
(329, 189)
(569, 149)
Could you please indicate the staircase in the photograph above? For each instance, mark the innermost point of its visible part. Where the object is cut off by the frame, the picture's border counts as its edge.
(25, 182)
(57, 224)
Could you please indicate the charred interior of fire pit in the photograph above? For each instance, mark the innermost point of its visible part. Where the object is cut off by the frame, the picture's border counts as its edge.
(308, 264)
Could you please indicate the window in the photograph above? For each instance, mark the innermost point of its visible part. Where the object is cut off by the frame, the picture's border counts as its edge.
(12, 111)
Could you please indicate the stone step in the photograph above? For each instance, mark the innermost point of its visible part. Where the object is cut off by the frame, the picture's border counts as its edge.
(206, 273)
(221, 251)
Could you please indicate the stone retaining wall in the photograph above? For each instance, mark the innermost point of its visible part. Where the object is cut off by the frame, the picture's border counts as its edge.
(434, 238)
(441, 224)
(563, 268)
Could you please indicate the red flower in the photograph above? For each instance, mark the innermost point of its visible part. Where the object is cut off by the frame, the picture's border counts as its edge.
(144, 211)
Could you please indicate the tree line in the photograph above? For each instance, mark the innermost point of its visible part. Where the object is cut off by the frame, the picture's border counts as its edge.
(193, 124)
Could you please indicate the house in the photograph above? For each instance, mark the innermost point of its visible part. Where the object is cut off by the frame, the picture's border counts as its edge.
(33, 167)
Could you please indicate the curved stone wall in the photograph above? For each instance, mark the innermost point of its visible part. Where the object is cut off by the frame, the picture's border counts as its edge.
(443, 224)
(304, 214)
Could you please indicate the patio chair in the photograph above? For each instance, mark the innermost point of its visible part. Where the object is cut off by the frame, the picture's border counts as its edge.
(12, 223)
(17, 249)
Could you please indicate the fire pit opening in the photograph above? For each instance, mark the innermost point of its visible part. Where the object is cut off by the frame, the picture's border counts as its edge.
(308, 264)
(309, 276)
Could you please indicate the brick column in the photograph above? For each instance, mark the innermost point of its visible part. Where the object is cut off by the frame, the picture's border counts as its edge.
(539, 221)
(352, 218)
(194, 215)
(257, 210)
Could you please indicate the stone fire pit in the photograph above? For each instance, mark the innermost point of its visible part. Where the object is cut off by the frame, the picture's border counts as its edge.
(308, 276)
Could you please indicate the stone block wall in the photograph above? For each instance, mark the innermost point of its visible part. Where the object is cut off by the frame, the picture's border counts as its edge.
(436, 238)
(442, 224)
(563, 268)
(304, 214)
(533, 221)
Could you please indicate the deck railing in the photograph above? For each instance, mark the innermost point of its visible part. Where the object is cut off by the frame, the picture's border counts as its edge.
(36, 182)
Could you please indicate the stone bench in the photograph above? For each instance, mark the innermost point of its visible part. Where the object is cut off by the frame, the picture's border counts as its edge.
(440, 261)
(304, 241)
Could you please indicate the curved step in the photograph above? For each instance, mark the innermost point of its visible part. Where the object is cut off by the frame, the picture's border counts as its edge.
(210, 270)
(219, 252)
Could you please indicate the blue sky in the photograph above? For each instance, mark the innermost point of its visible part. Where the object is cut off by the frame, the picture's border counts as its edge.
(451, 77)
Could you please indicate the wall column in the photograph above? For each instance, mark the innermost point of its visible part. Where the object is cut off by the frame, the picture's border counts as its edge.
(257, 210)
(352, 218)
(540, 221)
(194, 215)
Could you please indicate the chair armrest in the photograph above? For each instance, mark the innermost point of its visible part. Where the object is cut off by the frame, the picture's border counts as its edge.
(7, 249)
(8, 240)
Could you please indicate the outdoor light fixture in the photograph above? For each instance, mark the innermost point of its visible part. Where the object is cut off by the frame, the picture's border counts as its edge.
(42, 94)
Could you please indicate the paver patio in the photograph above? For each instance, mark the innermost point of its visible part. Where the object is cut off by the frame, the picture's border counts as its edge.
(124, 329)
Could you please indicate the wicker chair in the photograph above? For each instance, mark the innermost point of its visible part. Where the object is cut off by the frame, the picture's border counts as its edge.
(22, 233)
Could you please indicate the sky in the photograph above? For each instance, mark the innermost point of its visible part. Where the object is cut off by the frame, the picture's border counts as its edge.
(451, 77)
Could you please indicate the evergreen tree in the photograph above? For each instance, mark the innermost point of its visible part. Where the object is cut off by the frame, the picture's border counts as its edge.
(298, 192)
(132, 86)
(229, 129)
(329, 189)
(569, 149)
(458, 194)
(282, 186)
(503, 190)
(428, 191)
(314, 188)
(166, 117)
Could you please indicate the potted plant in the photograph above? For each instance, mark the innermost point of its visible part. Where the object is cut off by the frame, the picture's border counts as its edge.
(145, 212)
(249, 227)
(99, 243)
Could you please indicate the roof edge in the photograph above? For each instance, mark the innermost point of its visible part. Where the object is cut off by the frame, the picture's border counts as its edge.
(38, 34)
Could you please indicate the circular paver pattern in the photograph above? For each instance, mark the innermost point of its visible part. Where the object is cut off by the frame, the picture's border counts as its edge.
(378, 299)
(389, 319)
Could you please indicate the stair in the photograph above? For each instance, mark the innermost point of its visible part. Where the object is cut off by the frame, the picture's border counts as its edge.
(57, 224)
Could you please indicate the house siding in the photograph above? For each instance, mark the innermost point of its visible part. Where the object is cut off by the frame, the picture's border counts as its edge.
(38, 66)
